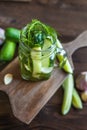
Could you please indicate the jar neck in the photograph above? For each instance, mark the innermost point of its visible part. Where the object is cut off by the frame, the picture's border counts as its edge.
(25, 47)
(45, 53)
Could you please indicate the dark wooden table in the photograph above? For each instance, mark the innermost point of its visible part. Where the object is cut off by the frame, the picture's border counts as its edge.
(69, 18)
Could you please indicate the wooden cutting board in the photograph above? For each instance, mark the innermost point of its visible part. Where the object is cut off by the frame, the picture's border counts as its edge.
(27, 98)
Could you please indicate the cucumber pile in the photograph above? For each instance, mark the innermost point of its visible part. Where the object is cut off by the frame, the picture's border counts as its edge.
(9, 40)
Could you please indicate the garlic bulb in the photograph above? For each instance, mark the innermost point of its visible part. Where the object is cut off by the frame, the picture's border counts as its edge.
(2, 36)
(81, 84)
(81, 81)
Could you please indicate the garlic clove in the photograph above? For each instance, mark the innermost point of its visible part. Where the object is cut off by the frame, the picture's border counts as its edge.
(84, 96)
(8, 78)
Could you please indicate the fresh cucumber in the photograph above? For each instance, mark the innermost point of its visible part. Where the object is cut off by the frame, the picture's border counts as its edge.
(68, 86)
(12, 34)
(62, 57)
(7, 51)
(76, 100)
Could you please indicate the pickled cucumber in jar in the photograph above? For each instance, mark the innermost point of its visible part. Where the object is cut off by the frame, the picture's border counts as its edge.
(37, 51)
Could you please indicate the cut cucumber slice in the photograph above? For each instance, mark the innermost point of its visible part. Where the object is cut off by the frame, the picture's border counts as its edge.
(36, 61)
(27, 67)
(47, 44)
(76, 100)
(68, 86)
(66, 66)
(46, 70)
(45, 59)
(45, 62)
(61, 56)
(59, 45)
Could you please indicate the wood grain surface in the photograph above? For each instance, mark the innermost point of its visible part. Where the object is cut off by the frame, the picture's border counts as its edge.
(28, 98)
(69, 18)
(17, 0)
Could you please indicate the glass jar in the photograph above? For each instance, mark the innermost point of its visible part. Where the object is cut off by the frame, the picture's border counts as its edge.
(36, 65)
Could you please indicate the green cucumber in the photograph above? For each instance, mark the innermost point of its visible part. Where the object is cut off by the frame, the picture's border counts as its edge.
(36, 61)
(46, 70)
(47, 43)
(7, 51)
(61, 57)
(12, 34)
(45, 62)
(68, 86)
(76, 100)
(46, 59)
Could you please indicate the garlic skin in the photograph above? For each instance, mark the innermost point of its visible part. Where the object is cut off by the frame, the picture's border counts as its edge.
(81, 81)
(2, 36)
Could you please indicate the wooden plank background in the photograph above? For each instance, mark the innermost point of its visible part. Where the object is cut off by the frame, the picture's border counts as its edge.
(65, 15)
